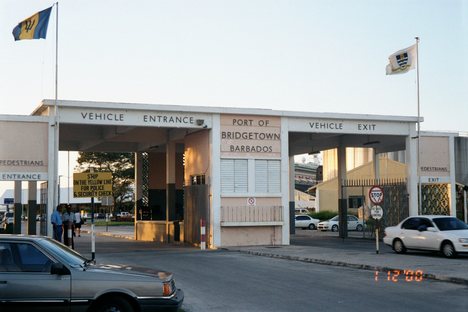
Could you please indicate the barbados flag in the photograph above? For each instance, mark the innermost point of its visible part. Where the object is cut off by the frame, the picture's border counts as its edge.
(34, 27)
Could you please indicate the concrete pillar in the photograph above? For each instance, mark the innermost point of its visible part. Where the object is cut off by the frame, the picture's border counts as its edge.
(342, 194)
(138, 192)
(453, 184)
(18, 208)
(32, 207)
(170, 184)
(401, 157)
(138, 181)
(412, 172)
(285, 181)
(292, 204)
(215, 142)
(376, 164)
(465, 204)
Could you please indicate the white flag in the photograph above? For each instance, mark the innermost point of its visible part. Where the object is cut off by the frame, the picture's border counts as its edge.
(402, 61)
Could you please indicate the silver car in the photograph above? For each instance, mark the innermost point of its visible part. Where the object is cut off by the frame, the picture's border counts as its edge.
(39, 274)
(353, 224)
(306, 222)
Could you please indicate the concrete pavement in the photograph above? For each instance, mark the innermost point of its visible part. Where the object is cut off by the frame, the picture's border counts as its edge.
(126, 232)
(355, 253)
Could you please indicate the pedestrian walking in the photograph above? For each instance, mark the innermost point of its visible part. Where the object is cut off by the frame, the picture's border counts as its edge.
(56, 220)
(78, 223)
(68, 219)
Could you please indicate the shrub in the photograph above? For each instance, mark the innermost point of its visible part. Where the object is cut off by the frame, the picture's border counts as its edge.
(323, 215)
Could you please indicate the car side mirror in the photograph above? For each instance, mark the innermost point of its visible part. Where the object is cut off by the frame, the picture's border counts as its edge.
(59, 269)
(431, 229)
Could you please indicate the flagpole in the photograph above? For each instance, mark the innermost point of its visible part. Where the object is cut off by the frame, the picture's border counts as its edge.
(56, 111)
(419, 129)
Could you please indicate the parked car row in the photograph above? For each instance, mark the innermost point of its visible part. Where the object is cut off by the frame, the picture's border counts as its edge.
(99, 215)
(307, 222)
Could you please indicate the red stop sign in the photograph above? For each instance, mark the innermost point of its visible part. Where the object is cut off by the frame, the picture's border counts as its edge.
(376, 195)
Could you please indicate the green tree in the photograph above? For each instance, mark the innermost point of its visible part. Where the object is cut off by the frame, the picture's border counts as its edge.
(120, 164)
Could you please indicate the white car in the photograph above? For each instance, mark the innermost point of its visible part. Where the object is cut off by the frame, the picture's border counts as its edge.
(353, 224)
(437, 233)
(306, 222)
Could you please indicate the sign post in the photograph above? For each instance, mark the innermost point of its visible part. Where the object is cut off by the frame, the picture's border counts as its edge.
(377, 213)
(92, 184)
(376, 196)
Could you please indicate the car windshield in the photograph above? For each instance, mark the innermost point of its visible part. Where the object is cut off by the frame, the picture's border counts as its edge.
(335, 218)
(71, 257)
(450, 224)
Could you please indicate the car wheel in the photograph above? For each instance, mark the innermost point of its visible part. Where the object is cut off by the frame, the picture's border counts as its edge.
(312, 226)
(113, 304)
(335, 228)
(448, 250)
(359, 228)
(398, 246)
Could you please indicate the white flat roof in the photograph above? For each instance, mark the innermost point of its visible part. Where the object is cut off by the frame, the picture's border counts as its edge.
(220, 110)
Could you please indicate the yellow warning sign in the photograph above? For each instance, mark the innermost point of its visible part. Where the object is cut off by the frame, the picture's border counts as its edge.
(96, 184)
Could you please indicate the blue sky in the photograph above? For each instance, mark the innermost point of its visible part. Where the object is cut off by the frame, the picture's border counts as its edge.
(319, 56)
(316, 56)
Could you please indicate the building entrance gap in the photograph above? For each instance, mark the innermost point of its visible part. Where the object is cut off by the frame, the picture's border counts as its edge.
(170, 164)
(344, 172)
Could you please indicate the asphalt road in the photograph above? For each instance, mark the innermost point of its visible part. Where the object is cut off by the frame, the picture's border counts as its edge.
(328, 239)
(230, 281)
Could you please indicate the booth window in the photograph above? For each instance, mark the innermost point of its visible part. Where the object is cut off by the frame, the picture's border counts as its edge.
(355, 201)
(234, 176)
(267, 176)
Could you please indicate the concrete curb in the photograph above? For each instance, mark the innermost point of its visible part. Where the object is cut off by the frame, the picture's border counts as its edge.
(449, 279)
(110, 234)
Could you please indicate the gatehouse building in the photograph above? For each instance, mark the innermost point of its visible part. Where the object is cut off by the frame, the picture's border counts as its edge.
(230, 169)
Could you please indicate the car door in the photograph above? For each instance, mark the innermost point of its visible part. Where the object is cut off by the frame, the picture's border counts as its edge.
(352, 222)
(409, 232)
(427, 239)
(301, 221)
(26, 283)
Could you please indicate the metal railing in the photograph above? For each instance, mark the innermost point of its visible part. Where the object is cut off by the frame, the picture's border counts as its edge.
(251, 214)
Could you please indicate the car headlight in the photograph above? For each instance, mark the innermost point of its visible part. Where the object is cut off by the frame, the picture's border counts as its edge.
(463, 240)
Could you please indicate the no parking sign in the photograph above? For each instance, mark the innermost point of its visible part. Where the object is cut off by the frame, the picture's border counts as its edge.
(251, 201)
(377, 212)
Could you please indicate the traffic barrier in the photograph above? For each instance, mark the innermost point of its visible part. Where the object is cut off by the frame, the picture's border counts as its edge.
(202, 234)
